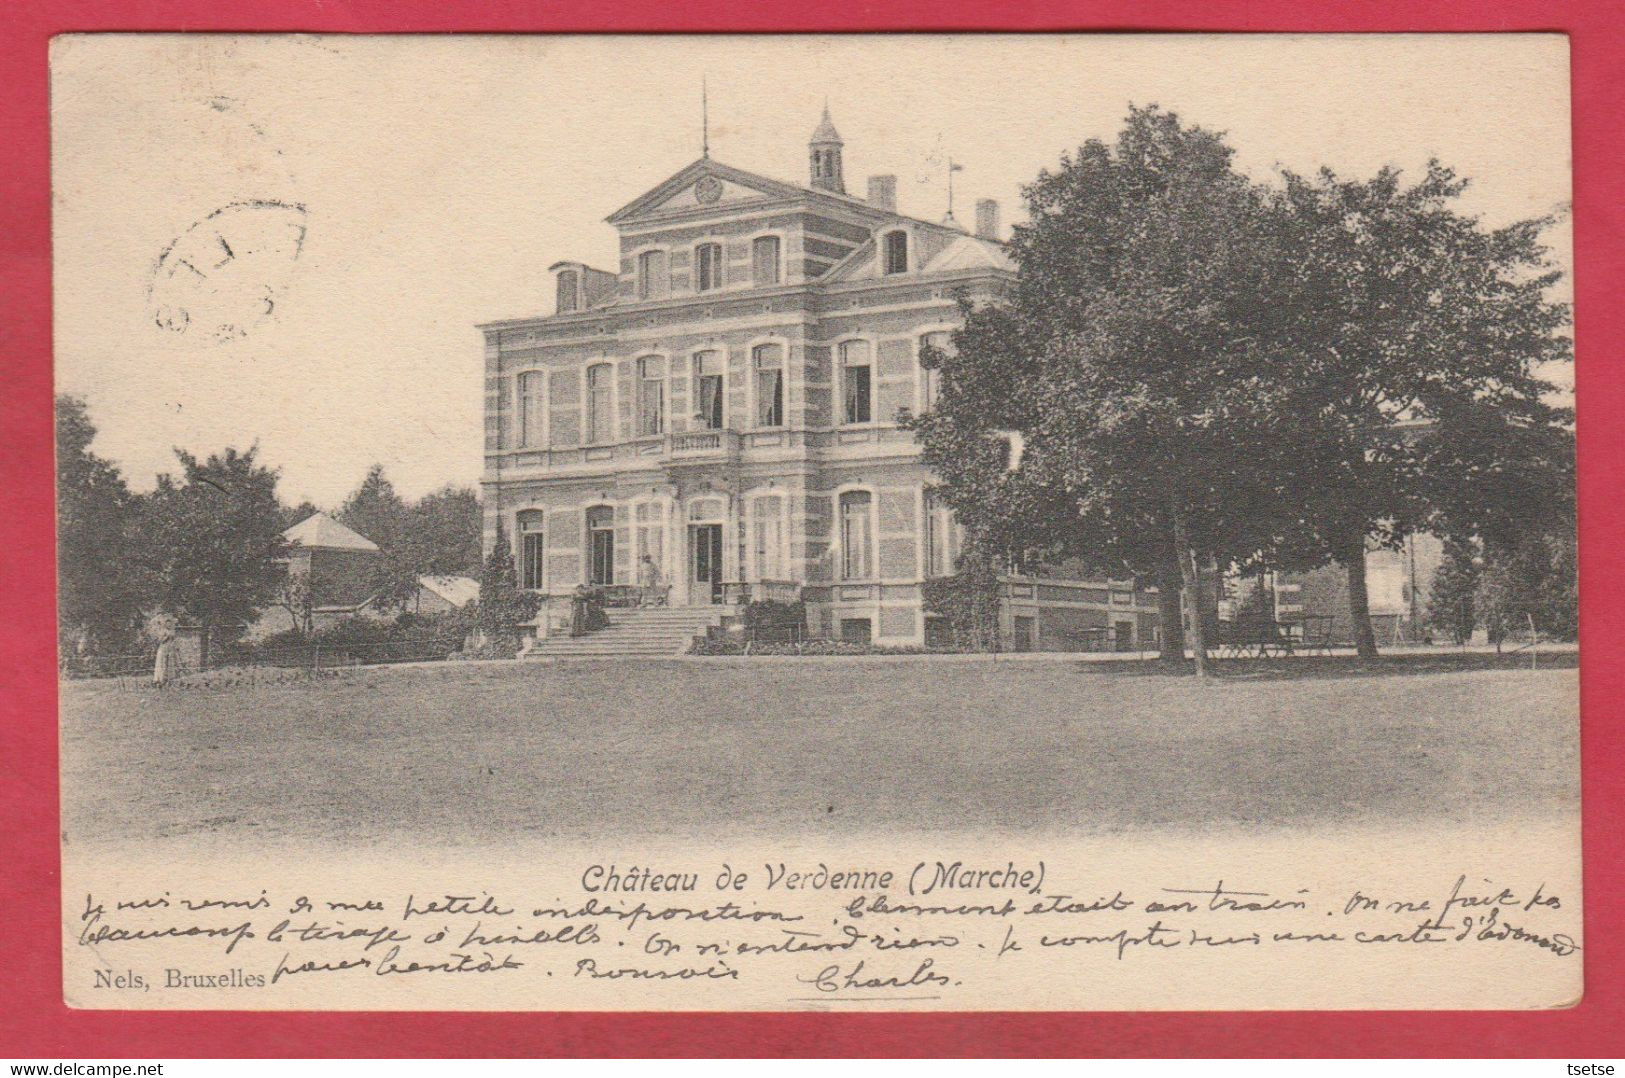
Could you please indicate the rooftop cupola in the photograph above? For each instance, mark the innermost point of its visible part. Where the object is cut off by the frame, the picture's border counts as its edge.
(824, 156)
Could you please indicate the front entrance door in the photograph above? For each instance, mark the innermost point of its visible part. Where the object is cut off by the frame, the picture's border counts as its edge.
(706, 542)
(601, 533)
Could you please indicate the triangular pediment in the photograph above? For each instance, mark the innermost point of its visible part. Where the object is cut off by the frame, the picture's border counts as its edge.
(707, 184)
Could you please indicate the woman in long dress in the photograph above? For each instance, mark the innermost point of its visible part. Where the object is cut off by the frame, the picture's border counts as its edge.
(163, 664)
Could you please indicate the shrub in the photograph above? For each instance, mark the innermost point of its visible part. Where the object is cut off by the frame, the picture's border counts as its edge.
(969, 603)
(770, 621)
(405, 638)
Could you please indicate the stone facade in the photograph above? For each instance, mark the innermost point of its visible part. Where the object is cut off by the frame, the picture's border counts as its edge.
(726, 403)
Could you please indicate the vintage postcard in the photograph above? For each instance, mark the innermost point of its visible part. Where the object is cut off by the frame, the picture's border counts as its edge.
(933, 522)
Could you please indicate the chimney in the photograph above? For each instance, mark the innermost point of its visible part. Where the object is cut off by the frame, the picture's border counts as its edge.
(987, 218)
(883, 192)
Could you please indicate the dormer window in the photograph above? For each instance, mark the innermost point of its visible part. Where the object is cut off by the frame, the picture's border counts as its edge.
(569, 291)
(895, 252)
(707, 267)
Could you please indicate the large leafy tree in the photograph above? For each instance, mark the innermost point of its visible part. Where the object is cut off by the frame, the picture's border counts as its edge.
(1452, 592)
(1132, 355)
(376, 511)
(444, 538)
(438, 535)
(1412, 397)
(211, 542)
(99, 599)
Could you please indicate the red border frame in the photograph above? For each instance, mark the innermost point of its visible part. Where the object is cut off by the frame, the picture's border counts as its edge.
(33, 1020)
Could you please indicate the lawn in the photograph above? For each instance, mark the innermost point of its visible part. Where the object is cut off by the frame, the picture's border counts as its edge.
(472, 753)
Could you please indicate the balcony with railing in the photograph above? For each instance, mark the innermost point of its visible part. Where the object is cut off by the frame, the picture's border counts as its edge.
(700, 448)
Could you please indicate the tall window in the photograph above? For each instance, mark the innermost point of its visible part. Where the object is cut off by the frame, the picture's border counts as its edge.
(651, 395)
(856, 540)
(532, 407)
(767, 537)
(531, 575)
(939, 558)
(896, 252)
(764, 260)
(601, 545)
(708, 266)
(651, 535)
(708, 389)
(931, 377)
(652, 278)
(857, 389)
(568, 291)
(600, 403)
(768, 359)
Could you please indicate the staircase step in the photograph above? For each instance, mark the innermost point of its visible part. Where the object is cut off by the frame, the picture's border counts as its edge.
(643, 633)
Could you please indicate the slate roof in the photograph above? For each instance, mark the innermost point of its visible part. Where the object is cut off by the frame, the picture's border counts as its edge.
(321, 532)
(456, 590)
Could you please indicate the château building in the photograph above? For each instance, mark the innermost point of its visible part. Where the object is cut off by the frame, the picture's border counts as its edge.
(725, 402)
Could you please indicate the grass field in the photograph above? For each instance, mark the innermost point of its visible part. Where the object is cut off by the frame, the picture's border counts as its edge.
(473, 753)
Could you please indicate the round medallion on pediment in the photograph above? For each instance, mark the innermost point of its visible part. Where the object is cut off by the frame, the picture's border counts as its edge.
(708, 189)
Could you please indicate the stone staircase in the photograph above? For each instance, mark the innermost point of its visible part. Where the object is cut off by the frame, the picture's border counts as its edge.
(658, 632)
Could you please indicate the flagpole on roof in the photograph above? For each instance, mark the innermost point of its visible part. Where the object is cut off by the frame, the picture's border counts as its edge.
(705, 120)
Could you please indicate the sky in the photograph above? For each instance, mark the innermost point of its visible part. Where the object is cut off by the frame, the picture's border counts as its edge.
(440, 176)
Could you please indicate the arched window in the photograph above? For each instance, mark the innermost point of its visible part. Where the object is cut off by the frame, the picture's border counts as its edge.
(707, 267)
(764, 260)
(931, 377)
(896, 252)
(651, 395)
(649, 519)
(532, 576)
(653, 280)
(601, 545)
(857, 382)
(600, 403)
(768, 361)
(532, 408)
(857, 540)
(767, 537)
(708, 389)
(569, 291)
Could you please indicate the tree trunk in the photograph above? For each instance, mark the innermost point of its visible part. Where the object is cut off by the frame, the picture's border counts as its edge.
(1169, 612)
(1191, 578)
(1365, 638)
